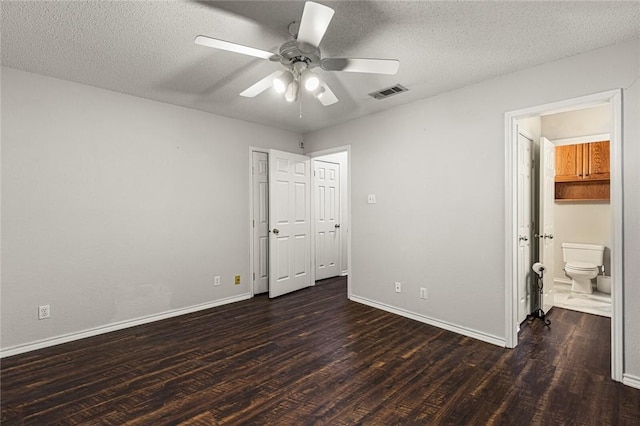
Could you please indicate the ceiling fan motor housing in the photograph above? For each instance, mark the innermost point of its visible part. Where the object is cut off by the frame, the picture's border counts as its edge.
(292, 52)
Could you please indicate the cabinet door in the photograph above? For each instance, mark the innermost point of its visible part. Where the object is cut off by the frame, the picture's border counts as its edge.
(569, 162)
(596, 160)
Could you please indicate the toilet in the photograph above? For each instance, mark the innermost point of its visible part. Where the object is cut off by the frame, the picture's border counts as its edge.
(582, 264)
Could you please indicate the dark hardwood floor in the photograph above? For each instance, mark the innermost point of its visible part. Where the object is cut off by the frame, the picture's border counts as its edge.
(313, 357)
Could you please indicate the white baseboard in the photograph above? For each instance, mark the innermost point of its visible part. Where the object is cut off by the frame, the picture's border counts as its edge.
(631, 380)
(432, 321)
(65, 338)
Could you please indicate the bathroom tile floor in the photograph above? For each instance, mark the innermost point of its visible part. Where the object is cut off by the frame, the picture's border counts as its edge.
(596, 303)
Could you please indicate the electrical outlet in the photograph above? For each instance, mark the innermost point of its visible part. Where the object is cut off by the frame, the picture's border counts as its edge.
(398, 287)
(237, 279)
(216, 280)
(44, 312)
(423, 293)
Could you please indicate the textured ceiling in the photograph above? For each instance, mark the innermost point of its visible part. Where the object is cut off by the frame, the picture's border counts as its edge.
(146, 49)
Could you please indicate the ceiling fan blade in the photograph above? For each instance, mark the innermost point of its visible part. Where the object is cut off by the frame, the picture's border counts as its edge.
(233, 47)
(373, 66)
(262, 85)
(327, 97)
(314, 23)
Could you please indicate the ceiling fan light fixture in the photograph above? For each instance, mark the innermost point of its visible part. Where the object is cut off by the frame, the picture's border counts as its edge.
(281, 83)
(300, 55)
(311, 81)
(292, 91)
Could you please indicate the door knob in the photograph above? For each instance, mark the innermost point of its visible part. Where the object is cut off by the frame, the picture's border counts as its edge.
(276, 231)
(336, 226)
(523, 238)
(549, 236)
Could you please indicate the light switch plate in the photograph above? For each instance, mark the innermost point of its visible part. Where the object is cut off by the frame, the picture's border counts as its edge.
(371, 199)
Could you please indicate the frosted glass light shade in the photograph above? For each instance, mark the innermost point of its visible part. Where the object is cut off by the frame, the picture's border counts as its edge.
(311, 81)
(281, 83)
(292, 91)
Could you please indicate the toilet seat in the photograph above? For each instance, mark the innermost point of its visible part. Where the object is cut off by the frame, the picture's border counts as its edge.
(581, 266)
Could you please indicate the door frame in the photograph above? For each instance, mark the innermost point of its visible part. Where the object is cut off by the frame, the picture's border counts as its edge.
(313, 155)
(614, 98)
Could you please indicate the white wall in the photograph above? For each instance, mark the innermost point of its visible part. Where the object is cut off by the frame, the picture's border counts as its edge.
(581, 221)
(437, 168)
(116, 207)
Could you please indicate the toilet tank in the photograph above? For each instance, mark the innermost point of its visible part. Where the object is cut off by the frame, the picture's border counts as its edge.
(588, 253)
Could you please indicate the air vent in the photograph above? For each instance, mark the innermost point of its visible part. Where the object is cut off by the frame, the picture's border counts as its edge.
(389, 91)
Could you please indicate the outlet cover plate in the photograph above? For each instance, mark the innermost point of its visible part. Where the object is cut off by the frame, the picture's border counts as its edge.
(216, 280)
(44, 312)
(398, 287)
(237, 281)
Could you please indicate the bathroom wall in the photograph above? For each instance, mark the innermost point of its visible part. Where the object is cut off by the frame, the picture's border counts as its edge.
(580, 221)
(588, 121)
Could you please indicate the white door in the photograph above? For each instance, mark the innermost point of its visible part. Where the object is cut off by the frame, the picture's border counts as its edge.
(524, 226)
(260, 218)
(547, 195)
(327, 218)
(290, 222)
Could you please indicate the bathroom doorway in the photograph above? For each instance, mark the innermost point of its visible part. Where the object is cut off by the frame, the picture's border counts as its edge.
(576, 210)
(581, 209)
(611, 101)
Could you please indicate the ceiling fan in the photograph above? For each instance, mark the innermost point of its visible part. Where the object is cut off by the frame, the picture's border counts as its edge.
(300, 55)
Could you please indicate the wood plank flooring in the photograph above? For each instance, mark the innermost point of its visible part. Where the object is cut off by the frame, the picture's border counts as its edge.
(315, 358)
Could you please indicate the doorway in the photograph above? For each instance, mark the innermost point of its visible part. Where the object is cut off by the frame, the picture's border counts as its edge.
(512, 193)
(328, 215)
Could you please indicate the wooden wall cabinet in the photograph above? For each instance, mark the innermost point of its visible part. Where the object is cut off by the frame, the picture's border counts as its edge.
(582, 171)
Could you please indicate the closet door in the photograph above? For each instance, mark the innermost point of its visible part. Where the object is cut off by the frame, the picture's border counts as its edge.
(289, 222)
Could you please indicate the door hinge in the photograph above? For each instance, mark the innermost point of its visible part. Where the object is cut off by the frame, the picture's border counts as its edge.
(254, 276)
(254, 223)
(253, 170)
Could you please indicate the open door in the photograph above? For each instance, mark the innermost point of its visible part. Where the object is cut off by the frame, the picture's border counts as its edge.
(327, 218)
(524, 225)
(547, 195)
(290, 222)
(260, 221)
